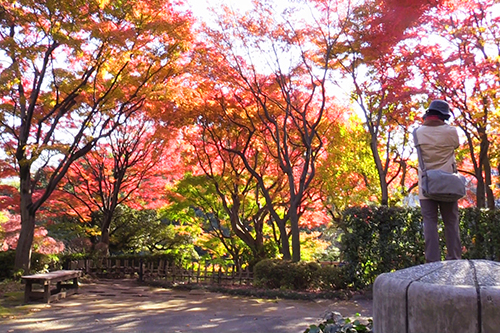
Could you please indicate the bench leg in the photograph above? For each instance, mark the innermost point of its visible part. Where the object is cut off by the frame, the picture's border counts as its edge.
(27, 291)
(46, 292)
(75, 284)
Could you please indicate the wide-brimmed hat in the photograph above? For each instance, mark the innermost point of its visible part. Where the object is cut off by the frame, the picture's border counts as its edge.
(440, 106)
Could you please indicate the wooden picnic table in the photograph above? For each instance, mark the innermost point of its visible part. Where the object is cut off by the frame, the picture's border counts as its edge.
(66, 283)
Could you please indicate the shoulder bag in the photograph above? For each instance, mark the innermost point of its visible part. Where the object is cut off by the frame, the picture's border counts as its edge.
(437, 184)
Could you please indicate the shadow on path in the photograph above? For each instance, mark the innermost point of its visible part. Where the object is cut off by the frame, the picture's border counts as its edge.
(126, 306)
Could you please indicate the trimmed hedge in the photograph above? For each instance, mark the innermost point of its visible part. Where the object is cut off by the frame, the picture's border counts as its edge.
(376, 240)
(283, 274)
(480, 233)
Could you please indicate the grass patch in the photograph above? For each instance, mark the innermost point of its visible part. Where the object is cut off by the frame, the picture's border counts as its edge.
(12, 299)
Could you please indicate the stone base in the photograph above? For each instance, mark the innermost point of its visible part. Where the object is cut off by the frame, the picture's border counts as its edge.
(459, 296)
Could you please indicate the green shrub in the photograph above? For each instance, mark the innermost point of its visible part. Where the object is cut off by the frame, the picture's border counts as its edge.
(299, 275)
(375, 240)
(330, 278)
(44, 262)
(75, 256)
(267, 273)
(480, 233)
(283, 274)
(155, 257)
(39, 263)
(336, 323)
(7, 263)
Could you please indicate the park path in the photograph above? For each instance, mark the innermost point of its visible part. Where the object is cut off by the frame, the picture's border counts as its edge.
(126, 306)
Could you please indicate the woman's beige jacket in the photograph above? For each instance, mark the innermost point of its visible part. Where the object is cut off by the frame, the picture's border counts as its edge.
(438, 142)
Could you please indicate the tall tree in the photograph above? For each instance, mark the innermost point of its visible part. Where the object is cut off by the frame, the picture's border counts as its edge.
(277, 97)
(130, 168)
(462, 67)
(342, 184)
(378, 64)
(237, 189)
(234, 224)
(73, 72)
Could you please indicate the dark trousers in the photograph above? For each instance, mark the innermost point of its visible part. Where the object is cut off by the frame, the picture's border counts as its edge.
(449, 213)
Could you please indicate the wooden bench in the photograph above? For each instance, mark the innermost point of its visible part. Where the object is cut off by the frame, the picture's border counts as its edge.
(66, 283)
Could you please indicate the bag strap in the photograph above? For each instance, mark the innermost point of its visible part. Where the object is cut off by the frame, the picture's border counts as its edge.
(419, 151)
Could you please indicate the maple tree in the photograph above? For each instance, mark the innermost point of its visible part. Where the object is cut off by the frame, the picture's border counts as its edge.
(462, 67)
(378, 26)
(373, 56)
(342, 185)
(74, 71)
(145, 230)
(126, 169)
(237, 230)
(274, 98)
(239, 198)
(10, 227)
(83, 86)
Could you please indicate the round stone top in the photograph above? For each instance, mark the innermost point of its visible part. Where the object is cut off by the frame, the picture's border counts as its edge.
(479, 273)
(446, 297)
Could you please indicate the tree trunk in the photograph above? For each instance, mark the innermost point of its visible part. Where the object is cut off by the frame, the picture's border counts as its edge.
(294, 220)
(105, 236)
(259, 243)
(285, 245)
(490, 197)
(384, 200)
(480, 192)
(103, 246)
(482, 168)
(484, 164)
(25, 242)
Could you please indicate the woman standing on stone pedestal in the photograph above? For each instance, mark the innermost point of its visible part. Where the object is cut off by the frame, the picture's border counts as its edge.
(438, 142)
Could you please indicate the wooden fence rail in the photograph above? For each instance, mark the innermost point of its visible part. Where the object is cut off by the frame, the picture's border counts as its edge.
(198, 273)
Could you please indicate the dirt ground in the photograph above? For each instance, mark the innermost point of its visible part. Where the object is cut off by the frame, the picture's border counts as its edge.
(126, 306)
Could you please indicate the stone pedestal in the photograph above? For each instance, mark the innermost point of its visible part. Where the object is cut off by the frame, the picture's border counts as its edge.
(459, 296)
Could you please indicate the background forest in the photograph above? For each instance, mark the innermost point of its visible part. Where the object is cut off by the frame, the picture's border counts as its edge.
(138, 127)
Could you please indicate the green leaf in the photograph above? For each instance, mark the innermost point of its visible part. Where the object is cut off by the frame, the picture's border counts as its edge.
(313, 329)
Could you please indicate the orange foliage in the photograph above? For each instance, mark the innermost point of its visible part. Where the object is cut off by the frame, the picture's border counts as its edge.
(9, 234)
